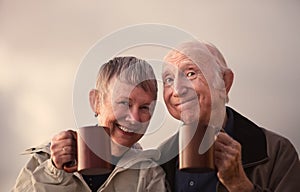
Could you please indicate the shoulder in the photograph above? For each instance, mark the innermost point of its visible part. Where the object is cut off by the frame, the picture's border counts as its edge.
(42, 148)
(260, 143)
(273, 143)
(39, 152)
(39, 167)
(169, 149)
(279, 145)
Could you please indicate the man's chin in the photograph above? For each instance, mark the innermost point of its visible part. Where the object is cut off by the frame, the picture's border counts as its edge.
(189, 120)
(189, 117)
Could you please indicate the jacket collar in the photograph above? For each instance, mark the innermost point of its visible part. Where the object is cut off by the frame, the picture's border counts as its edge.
(252, 139)
(249, 135)
(133, 157)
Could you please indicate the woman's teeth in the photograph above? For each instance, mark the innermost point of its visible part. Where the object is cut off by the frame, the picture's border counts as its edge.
(125, 129)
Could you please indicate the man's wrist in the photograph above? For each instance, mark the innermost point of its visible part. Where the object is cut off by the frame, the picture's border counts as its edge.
(242, 186)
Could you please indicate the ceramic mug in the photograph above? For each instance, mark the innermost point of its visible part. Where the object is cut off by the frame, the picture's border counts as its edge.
(190, 160)
(93, 152)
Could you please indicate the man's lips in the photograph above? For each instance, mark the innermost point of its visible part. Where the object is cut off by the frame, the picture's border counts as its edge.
(186, 103)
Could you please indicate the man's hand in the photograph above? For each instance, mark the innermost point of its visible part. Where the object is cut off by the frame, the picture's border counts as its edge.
(64, 149)
(229, 164)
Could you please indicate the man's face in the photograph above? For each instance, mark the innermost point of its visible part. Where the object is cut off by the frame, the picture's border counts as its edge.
(126, 110)
(186, 92)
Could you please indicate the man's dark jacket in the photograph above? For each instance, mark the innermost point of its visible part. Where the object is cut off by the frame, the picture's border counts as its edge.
(270, 161)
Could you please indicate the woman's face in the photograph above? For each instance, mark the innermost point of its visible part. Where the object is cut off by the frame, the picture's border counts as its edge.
(126, 111)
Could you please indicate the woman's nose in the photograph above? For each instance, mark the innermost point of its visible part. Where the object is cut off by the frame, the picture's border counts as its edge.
(133, 116)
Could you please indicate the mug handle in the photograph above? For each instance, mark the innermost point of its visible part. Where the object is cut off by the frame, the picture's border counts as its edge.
(71, 166)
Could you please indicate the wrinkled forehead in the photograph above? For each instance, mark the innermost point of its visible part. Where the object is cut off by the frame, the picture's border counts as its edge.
(199, 55)
(178, 66)
(193, 57)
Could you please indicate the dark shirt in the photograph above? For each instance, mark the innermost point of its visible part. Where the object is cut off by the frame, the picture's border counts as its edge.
(95, 181)
(206, 182)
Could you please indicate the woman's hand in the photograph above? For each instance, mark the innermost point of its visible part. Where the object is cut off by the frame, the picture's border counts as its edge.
(64, 150)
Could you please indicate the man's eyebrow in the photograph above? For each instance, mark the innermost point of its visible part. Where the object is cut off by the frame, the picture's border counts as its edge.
(191, 66)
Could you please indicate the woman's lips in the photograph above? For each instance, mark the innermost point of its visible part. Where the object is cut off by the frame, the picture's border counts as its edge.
(125, 129)
(128, 131)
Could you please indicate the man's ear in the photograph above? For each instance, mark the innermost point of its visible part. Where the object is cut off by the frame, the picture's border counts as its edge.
(228, 79)
(94, 100)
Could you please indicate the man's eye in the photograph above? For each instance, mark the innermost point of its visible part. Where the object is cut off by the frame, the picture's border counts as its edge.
(191, 74)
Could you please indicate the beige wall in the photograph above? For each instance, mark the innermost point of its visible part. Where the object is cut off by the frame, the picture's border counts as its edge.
(43, 42)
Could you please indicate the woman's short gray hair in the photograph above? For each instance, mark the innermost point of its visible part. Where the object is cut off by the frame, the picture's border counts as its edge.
(127, 69)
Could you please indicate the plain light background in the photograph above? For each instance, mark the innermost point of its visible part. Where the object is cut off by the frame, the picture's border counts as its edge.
(43, 42)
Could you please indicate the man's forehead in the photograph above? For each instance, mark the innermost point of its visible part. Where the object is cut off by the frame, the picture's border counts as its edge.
(179, 65)
(203, 61)
(176, 57)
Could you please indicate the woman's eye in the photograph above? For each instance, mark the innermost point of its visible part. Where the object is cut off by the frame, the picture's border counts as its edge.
(126, 103)
(168, 81)
(145, 108)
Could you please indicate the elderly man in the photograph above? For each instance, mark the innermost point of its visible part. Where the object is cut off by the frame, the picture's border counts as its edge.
(246, 157)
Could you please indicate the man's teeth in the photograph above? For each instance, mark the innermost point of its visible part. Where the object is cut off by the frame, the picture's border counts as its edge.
(125, 129)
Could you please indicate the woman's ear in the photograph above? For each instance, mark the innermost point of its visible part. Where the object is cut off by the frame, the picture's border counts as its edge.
(94, 100)
(228, 79)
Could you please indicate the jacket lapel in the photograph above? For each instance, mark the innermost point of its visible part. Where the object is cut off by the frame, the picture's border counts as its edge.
(252, 139)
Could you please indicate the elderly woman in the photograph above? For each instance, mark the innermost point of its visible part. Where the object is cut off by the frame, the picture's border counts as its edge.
(123, 101)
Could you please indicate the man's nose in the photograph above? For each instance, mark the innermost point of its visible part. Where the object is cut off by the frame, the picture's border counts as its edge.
(181, 85)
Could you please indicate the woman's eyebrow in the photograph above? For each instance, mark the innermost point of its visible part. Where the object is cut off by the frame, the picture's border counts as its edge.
(127, 98)
(166, 71)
